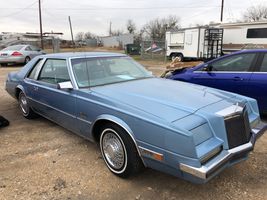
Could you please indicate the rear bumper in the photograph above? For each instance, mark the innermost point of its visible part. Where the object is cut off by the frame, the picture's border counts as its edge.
(205, 172)
(15, 59)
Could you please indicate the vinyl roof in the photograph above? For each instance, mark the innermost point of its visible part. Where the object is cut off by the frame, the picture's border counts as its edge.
(82, 55)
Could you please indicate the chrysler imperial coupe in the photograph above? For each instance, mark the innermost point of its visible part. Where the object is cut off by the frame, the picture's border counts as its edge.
(187, 130)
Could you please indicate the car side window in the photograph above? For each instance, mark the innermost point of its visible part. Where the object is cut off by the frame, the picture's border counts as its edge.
(264, 64)
(35, 69)
(28, 48)
(54, 71)
(240, 62)
(34, 48)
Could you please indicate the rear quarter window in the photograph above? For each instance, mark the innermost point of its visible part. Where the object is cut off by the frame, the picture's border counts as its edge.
(33, 73)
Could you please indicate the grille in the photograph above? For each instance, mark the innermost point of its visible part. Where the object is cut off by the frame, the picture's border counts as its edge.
(238, 129)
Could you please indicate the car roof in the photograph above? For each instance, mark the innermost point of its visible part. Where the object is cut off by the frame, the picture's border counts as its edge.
(251, 51)
(19, 45)
(235, 53)
(81, 55)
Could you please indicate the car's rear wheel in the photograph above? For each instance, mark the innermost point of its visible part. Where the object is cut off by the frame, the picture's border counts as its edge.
(177, 56)
(4, 64)
(27, 59)
(27, 112)
(119, 151)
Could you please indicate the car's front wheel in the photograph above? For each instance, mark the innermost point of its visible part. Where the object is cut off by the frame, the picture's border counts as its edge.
(119, 151)
(25, 108)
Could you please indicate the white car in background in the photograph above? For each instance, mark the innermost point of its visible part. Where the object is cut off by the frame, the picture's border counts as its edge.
(18, 54)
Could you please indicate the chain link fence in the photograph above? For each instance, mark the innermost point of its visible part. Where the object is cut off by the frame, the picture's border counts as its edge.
(153, 50)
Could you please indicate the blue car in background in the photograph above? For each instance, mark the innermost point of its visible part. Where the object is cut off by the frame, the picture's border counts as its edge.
(243, 72)
(139, 120)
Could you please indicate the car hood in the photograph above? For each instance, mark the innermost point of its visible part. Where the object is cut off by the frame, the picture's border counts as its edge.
(166, 99)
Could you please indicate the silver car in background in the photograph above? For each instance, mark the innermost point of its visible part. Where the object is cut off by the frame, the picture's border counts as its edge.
(18, 54)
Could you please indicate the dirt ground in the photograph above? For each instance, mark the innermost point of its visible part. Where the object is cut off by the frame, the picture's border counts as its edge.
(40, 160)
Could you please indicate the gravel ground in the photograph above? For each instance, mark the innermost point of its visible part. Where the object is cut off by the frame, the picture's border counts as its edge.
(40, 160)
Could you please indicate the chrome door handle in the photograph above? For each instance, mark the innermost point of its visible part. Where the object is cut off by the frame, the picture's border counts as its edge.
(35, 88)
(237, 78)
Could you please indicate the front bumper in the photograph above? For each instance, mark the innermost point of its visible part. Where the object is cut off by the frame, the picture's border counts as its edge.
(205, 172)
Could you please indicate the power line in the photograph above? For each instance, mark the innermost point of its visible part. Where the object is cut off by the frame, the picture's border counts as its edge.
(197, 14)
(20, 11)
(124, 8)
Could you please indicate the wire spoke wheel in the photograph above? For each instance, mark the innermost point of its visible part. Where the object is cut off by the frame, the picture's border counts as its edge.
(23, 104)
(113, 150)
(25, 107)
(119, 151)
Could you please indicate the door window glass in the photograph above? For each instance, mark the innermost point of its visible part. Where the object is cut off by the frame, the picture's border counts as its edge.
(264, 64)
(34, 48)
(241, 62)
(54, 71)
(28, 48)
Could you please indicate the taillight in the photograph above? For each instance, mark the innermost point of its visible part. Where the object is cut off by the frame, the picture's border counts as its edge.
(15, 53)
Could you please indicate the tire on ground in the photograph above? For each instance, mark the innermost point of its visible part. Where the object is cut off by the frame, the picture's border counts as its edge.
(114, 137)
(26, 110)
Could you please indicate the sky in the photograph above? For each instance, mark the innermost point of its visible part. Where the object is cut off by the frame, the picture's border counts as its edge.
(95, 16)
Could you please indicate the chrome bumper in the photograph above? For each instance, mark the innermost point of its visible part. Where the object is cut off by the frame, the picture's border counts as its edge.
(210, 168)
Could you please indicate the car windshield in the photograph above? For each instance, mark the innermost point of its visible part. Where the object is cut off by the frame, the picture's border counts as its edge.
(91, 72)
(13, 48)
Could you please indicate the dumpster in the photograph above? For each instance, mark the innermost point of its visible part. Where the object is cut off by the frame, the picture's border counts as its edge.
(133, 49)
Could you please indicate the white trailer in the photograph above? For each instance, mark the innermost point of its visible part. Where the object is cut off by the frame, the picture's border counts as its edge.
(197, 43)
(244, 35)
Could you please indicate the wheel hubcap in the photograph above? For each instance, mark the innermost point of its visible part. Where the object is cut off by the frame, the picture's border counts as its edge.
(178, 58)
(113, 150)
(23, 104)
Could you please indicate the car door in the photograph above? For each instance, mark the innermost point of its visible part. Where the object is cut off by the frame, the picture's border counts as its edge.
(28, 52)
(258, 83)
(36, 51)
(31, 83)
(56, 104)
(231, 73)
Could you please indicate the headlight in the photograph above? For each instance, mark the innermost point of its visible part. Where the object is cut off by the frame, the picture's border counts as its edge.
(201, 133)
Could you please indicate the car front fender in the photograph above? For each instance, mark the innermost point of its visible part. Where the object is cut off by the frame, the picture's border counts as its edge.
(120, 123)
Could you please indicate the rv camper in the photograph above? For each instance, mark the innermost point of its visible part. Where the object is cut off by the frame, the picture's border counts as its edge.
(244, 36)
(197, 43)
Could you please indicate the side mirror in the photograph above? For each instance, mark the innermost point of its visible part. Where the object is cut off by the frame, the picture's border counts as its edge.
(65, 85)
(150, 73)
(207, 68)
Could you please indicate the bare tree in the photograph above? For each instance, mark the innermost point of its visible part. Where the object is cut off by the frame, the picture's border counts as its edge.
(157, 28)
(89, 35)
(138, 35)
(131, 27)
(79, 36)
(116, 32)
(255, 13)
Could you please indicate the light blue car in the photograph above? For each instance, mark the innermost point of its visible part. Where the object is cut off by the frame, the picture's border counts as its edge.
(186, 130)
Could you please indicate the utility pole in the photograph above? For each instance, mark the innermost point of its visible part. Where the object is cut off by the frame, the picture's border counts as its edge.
(41, 26)
(110, 23)
(222, 10)
(71, 32)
